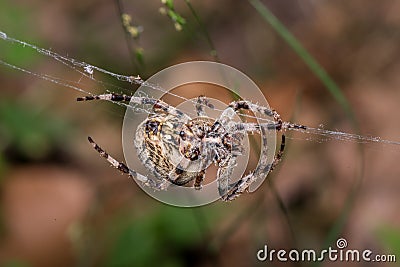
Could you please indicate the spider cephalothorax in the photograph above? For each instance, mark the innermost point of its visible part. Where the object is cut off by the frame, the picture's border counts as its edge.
(194, 138)
(178, 149)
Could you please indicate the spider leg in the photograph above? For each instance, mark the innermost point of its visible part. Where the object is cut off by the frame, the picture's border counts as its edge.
(223, 120)
(126, 170)
(199, 179)
(229, 191)
(235, 106)
(225, 162)
(178, 176)
(250, 127)
(280, 125)
(223, 178)
(158, 105)
(247, 105)
(255, 127)
(262, 169)
(201, 103)
(278, 156)
(110, 97)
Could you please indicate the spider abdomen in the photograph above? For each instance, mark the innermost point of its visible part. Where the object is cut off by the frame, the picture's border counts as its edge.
(157, 144)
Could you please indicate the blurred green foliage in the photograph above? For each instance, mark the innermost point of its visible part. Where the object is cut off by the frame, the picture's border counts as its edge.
(29, 132)
(390, 237)
(16, 19)
(16, 263)
(162, 238)
(170, 11)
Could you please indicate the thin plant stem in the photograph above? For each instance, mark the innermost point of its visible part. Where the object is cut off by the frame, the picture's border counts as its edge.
(213, 50)
(243, 216)
(335, 91)
(309, 60)
(128, 38)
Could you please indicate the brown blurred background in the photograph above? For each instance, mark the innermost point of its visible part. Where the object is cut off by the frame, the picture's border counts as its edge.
(61, 205)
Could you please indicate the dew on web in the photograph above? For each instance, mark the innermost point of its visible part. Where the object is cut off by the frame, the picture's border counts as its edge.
(89, 70)
(3, 35)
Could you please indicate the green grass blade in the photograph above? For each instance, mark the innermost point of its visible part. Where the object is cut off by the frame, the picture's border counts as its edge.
(335, 91)
(315, 67)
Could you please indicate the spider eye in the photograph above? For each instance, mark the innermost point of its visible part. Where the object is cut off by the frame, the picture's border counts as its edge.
(182, 134)
(152, 127)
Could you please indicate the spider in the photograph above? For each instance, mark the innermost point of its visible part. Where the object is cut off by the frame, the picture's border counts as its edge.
(177, 149)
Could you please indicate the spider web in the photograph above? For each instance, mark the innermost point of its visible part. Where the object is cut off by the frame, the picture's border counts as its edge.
(88, 71)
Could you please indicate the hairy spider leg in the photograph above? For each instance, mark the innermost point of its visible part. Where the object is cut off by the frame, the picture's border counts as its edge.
(264, 167)
(223, 177)
(126, 170)
(226, 161)
(242, 185)
(110, 97)
(226, 190)
(247, 105)
(201, 103)
(279, 125)
(278, 156)
(158, 105)
(257, 128)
